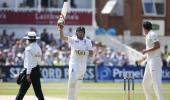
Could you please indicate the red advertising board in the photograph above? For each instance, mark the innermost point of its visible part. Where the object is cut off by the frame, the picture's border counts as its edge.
(44, 18)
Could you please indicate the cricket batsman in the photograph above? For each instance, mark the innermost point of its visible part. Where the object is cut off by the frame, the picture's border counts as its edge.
(81, 48)
(153, 70)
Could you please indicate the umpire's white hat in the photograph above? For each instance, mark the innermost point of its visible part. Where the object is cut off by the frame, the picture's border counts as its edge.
(31, 35)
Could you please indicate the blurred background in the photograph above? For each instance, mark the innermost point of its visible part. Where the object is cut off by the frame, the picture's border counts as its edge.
(115, 27)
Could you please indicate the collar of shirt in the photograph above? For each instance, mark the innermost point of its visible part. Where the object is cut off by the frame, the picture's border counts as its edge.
(149, 33)
(32, 44)
(78, 40)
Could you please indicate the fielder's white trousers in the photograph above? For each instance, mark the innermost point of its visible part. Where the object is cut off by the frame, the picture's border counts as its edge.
(153, 77)
(77, 70)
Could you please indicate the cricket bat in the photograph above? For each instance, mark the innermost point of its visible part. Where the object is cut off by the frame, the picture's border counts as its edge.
(63, 14)
(64, 9)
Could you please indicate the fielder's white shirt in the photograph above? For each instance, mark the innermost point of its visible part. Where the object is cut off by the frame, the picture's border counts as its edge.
(77, 44)
(32, 57)
(151, 38)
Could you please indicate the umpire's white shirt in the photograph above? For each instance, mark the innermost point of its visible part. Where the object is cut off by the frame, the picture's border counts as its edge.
(77, 44)
(32, 56)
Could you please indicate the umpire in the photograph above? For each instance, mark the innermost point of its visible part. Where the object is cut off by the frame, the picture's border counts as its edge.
(32, 58)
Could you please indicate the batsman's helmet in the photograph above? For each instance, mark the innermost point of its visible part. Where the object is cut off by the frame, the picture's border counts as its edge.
(80, 29)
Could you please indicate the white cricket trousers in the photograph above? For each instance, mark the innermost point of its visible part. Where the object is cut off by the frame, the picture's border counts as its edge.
(153, 77)
(76, 74)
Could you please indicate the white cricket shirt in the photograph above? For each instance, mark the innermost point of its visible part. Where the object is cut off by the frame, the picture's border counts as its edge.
(32, 56)
(151, 38)
(77, 44)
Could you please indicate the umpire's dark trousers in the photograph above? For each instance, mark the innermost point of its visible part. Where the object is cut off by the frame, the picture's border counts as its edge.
(35, 80)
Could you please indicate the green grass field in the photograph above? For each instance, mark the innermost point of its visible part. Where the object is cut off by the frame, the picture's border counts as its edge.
(89, 91)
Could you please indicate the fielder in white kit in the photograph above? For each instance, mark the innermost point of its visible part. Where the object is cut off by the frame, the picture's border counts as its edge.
(153, 70)
(81, 48)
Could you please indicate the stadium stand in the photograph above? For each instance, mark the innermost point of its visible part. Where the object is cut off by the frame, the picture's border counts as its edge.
(111, 31)
(56, 52)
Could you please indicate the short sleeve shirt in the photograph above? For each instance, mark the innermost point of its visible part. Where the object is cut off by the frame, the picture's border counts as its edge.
(151, 38)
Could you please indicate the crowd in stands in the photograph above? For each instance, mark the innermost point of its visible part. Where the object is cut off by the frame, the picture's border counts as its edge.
(55, 51)
(166, 56)
(43, 3)
(101, 31)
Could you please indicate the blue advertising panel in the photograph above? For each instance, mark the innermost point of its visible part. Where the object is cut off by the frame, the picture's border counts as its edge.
(116, 74)
(97, 74)
(47, 73)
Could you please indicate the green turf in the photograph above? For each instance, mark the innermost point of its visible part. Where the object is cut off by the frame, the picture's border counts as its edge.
(89, 91)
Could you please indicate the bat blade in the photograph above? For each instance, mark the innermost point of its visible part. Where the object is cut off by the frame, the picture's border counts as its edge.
(64, 9)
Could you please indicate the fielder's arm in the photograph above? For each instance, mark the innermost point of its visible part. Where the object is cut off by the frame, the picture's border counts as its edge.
(141, 60)
(156, 46)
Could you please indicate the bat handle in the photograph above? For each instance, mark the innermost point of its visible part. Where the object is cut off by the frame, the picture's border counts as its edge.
(62, 16)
